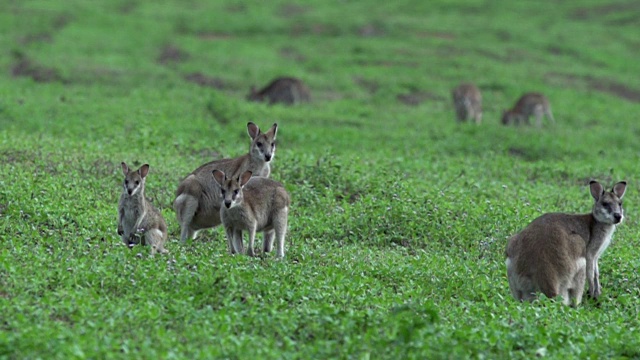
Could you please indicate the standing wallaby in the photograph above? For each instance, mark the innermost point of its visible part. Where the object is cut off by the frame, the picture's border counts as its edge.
(467, 101)
(197, 203)
(253, 204)
(285, 90)
(557, 252)
(137, 217)
(529, 104)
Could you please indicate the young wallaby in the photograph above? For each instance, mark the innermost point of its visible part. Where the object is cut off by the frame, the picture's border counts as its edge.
(197, 203)
(529, 104)
(467, 101)
(253, 204)
(285, 90)
(557, 252)
(137, 217)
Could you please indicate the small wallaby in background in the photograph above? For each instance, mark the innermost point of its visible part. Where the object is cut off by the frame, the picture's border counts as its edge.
(253, 204)
(557, 252)
(137, 217)
(467, 101)
(284, 90)
(529, 104)
(197, 203)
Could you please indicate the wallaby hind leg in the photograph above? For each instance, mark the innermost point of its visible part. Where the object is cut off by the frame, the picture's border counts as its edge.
(252, 240)
(185, 207)
(577, 287)
(549, 115)
(267, 243)
(155, 239)
(229, 234)
(237, 241)
(280, 226)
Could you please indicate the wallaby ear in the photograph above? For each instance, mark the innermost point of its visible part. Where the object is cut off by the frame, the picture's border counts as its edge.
(244, 178)
(125, 168)
(273, 130)
(253, 130)
(144, 170)
(596, 189)
(219, 176)
(619, 189)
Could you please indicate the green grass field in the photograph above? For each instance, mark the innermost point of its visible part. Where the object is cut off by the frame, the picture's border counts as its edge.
(399, 215)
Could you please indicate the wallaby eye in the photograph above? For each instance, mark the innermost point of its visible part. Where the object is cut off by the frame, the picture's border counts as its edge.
(126, 182)
(273, 145)
(137, 182)
(259, 143)
(235, 192)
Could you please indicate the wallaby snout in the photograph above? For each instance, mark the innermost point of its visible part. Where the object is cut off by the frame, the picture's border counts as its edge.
(617, 217)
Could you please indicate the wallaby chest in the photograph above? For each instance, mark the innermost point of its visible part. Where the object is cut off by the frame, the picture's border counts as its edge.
(133, 211)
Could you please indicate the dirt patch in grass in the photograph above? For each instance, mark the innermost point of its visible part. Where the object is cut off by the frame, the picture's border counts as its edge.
(289, 10)
(127, 7)
(303, 28)
(41, 37)
(372, 30)
(370, 85)
(587, 13)
(205, 81)
(171, 54)
(25, 67)
(436, 35)
(599, 84)
(415, 98)
(292, 54)
(212, 35)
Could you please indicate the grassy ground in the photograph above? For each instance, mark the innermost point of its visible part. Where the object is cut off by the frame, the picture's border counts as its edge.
(399, 216)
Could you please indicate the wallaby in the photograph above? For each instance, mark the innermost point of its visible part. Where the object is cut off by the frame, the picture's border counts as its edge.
(138, 218)
(197, 203)
(253, 204)
(285, 90)
(529, 104)
(557, 252)
(467, 101)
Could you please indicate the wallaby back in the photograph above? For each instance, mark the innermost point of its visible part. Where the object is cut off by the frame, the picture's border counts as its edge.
(137, 217)
(529, 104)
(197, 203)
(253, 204)
(284, 90)
(467, 101)
(557, 252)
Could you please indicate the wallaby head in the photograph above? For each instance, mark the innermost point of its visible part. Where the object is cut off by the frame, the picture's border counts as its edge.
(231, 189)
(134, 180)
(263, 146)
(608, 204)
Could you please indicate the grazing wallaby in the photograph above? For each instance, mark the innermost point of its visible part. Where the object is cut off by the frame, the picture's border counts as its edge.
(197, 203)
(529, 104)
(557, 252)
(285, 90)
(253, 204)
(137, 216)
(467, 101)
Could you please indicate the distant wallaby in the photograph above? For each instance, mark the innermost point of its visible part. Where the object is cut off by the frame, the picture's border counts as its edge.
(253, 204)
(197, 203)
(467, 101)
(557, 252)
(285, 90)
(529, 104)
(137, 216)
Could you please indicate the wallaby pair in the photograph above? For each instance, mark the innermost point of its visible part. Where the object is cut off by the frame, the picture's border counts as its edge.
(137, 217)
(198, 198)
(556, 253)
(253, 204)
(529, 104)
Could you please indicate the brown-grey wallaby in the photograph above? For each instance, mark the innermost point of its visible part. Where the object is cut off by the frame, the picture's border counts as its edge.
(467, 101)
(253, 204)
(284, 90)
(197, 203)
(137, 217)
(556, 253)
